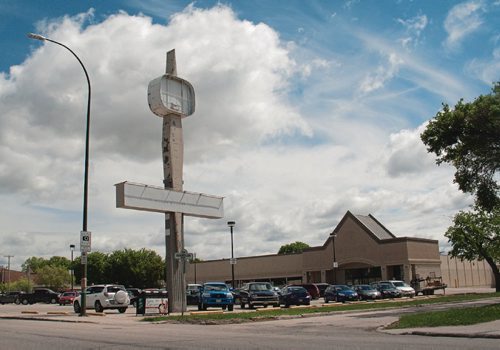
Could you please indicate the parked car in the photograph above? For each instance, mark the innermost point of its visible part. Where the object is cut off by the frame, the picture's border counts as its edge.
(367, 292)
(216, 294)
(340, 293)
(133, 294)
(258, 294)
(322, 287)
(294, 295)
(104, 296)
(193, 294)
(40, 295)
(11, 297)
(388, 291)
(312, 289)
(67, 298)
(405, 289)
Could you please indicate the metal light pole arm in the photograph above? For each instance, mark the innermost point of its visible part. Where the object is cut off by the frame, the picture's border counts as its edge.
(87, 136)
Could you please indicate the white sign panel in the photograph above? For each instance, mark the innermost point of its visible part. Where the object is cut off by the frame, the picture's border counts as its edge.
(85, 241)
(232, 261)
(150, 198)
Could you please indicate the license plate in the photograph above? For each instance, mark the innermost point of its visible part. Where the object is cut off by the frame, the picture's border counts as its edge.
(218, 300)
(301, 300)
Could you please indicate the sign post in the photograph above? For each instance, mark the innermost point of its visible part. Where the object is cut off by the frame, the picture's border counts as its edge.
(172, 99)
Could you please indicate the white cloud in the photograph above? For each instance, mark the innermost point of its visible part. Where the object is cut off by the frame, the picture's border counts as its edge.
(487, 70)
(414, 27)
(462, 20)
(382, 74)
(289, 168)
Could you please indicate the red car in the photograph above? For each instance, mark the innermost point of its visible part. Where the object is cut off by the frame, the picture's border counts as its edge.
(67, 298)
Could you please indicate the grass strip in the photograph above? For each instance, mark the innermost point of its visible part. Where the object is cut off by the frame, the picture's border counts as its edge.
(276, 313)
(453, 317)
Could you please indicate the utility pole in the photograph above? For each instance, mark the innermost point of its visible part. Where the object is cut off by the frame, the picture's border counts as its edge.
(8, 269)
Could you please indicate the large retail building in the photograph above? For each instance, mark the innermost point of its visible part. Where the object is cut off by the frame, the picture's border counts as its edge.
(365, 251)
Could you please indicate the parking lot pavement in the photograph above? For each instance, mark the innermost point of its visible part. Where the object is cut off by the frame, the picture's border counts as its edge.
(66, 314)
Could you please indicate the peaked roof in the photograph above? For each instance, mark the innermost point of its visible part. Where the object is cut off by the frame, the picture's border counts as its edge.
(375, 227)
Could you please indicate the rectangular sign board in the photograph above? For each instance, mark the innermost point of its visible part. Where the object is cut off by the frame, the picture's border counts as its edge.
(85, 241)
(150, 198)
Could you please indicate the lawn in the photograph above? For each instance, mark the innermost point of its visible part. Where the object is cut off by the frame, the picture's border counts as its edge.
(453, 317)
(267, 314)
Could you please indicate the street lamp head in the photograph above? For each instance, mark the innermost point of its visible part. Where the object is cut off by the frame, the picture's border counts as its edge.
(71, 246)
(231, 223)
(36, 36)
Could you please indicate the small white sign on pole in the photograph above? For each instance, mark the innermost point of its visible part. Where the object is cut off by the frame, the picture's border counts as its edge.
(85, 241)
(232, 261)
(335, 264)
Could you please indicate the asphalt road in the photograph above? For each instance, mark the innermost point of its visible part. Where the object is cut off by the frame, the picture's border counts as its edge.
(124, 331)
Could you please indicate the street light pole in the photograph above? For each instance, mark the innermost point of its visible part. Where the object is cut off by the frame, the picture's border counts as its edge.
(194, 260)
(334, 267)
(83, 311)
(72, 248)
(231, 225)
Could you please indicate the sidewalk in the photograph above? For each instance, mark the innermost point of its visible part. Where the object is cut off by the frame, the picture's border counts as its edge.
(481, 330)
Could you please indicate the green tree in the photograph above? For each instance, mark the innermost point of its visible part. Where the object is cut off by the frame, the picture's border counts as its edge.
(468, 137)
(96, 268)
(54, 277)
(475, 235)
(33, 263)
(292, 248)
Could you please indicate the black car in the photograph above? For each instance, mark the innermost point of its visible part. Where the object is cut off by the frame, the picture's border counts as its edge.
(133, 294)
(389, 291)
(294, 295)
(10, 297)
(193, 294)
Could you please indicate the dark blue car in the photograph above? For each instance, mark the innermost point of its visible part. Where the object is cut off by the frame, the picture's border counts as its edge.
(340, 293)
(294, 295)
(216, 294)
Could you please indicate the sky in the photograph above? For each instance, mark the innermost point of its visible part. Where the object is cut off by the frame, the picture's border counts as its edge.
(304, 110)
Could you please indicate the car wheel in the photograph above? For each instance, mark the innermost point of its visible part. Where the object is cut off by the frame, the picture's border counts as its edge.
(250, 306)
(25, 302)
(223, 307)
(53, 301)
(326, 300)
(242, 305)
(60, 304)
(122, 310)
(200, 307)
(287, 305)
(76, 307)
(98, 307)
(17, 301)
(276, 305)
(230, 307)
(204, 307)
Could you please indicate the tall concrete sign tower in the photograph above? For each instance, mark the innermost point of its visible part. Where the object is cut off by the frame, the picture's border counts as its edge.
(172, 99)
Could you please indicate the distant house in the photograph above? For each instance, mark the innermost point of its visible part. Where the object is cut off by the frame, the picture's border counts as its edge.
(12, 275)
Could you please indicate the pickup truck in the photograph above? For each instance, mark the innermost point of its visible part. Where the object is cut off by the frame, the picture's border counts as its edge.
(10, 297)
(40, 295)
(258, 293)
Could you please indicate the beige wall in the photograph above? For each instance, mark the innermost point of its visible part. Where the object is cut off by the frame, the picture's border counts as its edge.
(460, 274)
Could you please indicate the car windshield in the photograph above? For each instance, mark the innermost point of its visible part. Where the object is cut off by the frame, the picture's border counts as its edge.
(385, 286)
(209, 287)
(114, 289)
(297, 289)
(263, 286)
(400, 284)
(365, 287)
(342, 287)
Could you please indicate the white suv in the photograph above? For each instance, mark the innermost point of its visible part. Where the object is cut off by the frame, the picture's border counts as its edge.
(104, 296)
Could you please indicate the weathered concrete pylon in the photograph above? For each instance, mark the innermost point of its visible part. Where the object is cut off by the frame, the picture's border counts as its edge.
(172, 99)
